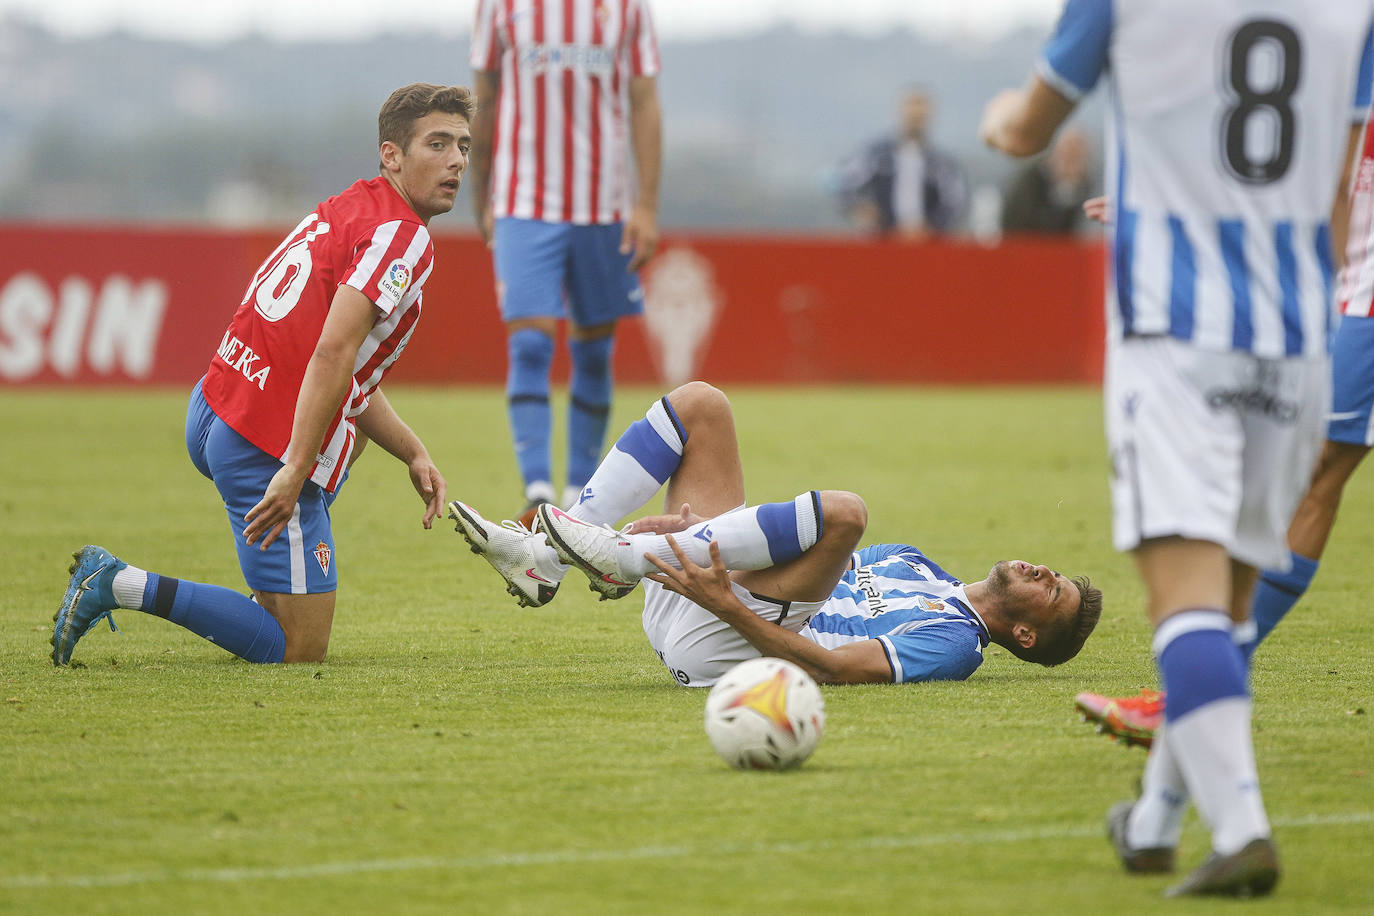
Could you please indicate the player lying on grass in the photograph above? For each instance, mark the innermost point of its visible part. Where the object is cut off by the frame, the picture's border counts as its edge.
(724, 582)
(292, 395)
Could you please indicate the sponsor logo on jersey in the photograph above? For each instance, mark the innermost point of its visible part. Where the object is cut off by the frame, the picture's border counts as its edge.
(873, 596)
(395, 279)
(323, 556)
(591, 59)
(240, 357)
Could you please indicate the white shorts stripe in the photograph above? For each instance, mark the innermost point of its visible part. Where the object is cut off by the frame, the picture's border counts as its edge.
(294, 539)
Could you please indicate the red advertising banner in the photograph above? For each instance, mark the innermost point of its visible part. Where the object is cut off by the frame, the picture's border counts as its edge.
(134, 305)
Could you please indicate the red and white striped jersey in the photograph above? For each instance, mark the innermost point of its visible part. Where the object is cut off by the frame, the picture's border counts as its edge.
(1357, 277)
(368, 238)
(560, 152)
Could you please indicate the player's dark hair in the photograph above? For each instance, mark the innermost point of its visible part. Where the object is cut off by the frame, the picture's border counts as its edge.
(1063, 639)
(407, 105)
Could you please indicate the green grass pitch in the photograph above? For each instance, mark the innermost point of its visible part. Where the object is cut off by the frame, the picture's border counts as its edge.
(458, 754)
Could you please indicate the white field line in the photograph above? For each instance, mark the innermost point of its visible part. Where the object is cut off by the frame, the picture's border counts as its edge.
(580, 856)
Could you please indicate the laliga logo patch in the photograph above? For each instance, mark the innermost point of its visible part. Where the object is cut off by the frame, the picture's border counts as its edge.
(927, 605)
(322, 556)
(396, 278)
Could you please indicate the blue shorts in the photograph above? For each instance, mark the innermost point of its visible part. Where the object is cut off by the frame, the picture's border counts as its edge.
(540, 266)
(1352, 382)
(301, 559)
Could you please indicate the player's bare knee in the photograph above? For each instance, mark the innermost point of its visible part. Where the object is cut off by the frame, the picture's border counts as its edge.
(699, 402)
(845, 515)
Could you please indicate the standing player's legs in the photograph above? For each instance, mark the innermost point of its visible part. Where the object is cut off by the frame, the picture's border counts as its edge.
(1349, 435)
(530, 259)
(601, 290)
(1202, 495)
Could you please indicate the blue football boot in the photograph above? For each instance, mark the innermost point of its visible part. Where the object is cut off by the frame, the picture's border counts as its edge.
(89, 599)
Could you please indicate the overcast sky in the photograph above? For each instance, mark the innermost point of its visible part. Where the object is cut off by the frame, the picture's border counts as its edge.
(212, 20)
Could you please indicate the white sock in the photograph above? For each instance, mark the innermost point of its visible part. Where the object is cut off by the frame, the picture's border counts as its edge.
(128, 587)
(638, 464)
(1157, 816)
(1215, 753)
(751, 537)
(1208, 718)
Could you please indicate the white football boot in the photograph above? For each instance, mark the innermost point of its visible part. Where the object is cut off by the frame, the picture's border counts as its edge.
(523, 558)
(594, 549)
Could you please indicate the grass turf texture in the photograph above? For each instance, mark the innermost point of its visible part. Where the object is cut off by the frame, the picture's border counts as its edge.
(459, 754)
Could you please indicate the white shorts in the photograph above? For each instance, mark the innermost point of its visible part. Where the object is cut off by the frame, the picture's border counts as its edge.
(1214, 446)
(697, 646)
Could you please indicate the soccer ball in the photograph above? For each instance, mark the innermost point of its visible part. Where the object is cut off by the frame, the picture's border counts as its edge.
(765, 714)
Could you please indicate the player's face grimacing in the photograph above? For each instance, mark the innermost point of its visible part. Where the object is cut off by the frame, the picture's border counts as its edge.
(430, 169)
(1041, 591)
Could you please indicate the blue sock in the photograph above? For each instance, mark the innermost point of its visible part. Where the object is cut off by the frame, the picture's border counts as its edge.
(231, 621)
(589, 407)
(527, 401)
(793, 527)
(751, 537)
(1199, 663)
(1277, 592)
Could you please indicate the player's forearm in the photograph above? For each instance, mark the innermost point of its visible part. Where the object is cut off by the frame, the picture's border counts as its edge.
(487, 87)
(827, 666)
(384, 426)
(1022, 122)
(646, 137)
(325, 385)
(1340, 210)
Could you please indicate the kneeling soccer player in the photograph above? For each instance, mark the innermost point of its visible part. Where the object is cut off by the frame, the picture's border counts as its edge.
(292, 395)
(724, 582)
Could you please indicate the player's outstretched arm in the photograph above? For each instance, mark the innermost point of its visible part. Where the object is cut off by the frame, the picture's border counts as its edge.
(863, 662)
(1022, 122)
(326, 382)
(383, 425)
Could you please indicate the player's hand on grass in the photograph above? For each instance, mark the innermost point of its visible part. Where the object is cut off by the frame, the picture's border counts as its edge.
(665, 524)
(706, 586)
(268, 518)
(429, 483)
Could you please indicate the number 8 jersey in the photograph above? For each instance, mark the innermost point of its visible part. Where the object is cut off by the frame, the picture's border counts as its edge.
(1227, 129)
(366, 237)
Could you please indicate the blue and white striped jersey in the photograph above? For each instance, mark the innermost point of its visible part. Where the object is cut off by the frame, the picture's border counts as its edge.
(914, 608)
(1226, 134)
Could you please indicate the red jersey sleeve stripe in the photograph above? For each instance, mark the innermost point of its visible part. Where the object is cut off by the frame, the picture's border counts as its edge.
(485, 52)
(646, 43)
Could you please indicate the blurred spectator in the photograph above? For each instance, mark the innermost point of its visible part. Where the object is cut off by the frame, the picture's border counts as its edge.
(901, 185)
(1047, 195)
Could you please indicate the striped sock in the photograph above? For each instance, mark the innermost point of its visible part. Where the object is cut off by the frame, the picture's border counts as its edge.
(234, 622)
(753, 537)
(1207, 711)
(639, 462)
